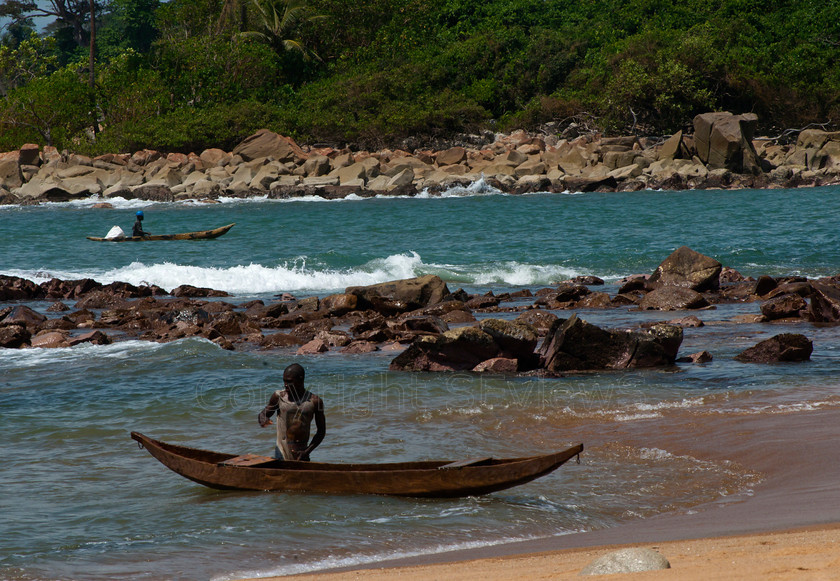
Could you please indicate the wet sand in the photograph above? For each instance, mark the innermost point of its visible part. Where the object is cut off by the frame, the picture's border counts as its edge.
(787, 526)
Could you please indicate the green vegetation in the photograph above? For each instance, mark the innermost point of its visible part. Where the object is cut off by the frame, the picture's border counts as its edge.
(184, 75)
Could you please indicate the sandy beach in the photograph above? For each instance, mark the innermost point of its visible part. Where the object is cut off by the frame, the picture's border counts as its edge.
(787, 527)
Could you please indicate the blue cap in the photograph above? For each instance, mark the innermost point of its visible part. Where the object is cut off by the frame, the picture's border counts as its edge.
(140, 213)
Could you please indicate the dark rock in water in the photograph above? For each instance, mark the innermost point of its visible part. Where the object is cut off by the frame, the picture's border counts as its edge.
(189, 291)
(279, 340)
(783, 307)
(672, 298)
(339, 305)
(575, 345)
(14, 336)
(730, 275)
(360, 347)
(635, 282)
(313, 347)
(634, 560)
(700, 357)
(13, 288)
(687, 268)
(589, 280)
(784, 347)
(764, 285)
(401, 296)
(516, 338)
(419, 324)
(540, 320)
(153, 193)
(504, 365)
(23, 315)
(100, 300)
(93, 337)
(456, 350)
(482, 302)
(825, 303)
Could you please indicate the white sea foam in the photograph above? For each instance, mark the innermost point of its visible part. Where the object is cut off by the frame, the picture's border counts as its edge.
(299, 276)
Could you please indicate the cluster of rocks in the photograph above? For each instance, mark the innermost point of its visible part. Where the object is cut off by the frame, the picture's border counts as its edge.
(432, 328)
(721, 153)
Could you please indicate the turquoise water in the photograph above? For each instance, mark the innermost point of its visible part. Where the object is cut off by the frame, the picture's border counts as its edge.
(81, 501)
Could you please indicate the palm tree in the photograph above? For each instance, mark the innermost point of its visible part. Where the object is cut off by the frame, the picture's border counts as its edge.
(279, 19)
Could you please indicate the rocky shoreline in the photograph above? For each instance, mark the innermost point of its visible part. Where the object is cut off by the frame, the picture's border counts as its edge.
(722, 152)
(427, 326)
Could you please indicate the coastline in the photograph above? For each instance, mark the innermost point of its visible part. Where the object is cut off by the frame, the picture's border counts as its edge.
(792, 515)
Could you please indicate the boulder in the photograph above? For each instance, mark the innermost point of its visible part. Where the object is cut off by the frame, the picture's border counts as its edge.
(92, 337)
(497, 365)
(687, 268)
(825, 303)
(49, 340)
(575, 345)
(724, 140)
(783, 307)
(338, 305)
(539, 320)
(23, 315)
(784, 347)
(699, 357)
(265, 143)
(451, 156)
(313, 347)
(633, 560)
(672, 298)
(14, 336)
(455, 350)
(400, 296)
(517, 339)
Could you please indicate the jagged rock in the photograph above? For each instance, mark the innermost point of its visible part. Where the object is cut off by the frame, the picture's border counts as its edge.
(724, 140)
(783, 306)
(504, 365)
(825, 303)
(699, 357)
(360, 347)
(784, 347)
(279, 340)
(189, 291)
(265, 143)
(672, 298)
(540, 320)
(575, 345)
(23, 315)
(400, 296)
(92, 337)
(313, 347)
(687, 268)
(338, 305)
(517, 339)
(49, 340)
(764, 285)
(14, 336)
(632, 560)
(455, 350)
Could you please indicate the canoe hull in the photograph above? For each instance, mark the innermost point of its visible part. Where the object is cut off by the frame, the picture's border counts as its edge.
(419, 479)
(200, 235)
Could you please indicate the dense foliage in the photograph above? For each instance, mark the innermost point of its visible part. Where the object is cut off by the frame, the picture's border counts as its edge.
(188, 74)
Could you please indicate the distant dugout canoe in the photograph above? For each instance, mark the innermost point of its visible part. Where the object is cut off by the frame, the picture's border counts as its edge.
(438, 479)
(200, 235)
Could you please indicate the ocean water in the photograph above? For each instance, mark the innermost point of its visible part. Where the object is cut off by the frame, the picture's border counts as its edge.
(80, 500)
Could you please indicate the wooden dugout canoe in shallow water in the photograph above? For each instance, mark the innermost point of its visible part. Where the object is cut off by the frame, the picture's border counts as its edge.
(200, 235)
(439, 478)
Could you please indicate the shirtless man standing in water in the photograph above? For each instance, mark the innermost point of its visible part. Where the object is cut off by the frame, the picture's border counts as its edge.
(295, 408)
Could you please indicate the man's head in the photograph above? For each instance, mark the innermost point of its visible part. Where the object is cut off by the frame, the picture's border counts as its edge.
(294, 375)
(139, 215)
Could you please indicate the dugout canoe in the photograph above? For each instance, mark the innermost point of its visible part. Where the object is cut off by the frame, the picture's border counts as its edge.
(437, 479)
(200, 235)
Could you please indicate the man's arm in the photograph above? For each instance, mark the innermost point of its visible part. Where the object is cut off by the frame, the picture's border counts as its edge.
(269, 410)
(320, 427)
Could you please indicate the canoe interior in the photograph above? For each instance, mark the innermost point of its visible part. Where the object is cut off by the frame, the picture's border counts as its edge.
(433, 479)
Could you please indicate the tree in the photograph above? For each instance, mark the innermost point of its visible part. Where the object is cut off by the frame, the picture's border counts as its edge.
(32, 58)
(53, 109)
(71, 14)
(279, 20)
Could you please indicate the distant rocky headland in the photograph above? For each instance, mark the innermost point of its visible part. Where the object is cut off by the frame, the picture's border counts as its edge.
(722, 152)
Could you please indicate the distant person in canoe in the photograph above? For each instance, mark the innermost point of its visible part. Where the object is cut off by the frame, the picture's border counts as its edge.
(138, 225)
(295, 407)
